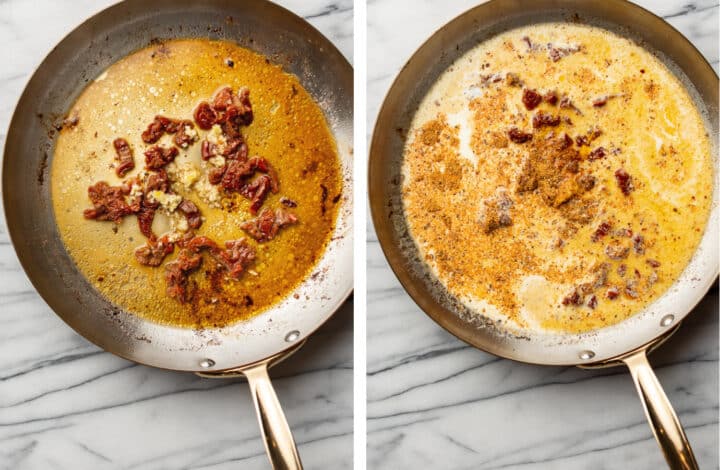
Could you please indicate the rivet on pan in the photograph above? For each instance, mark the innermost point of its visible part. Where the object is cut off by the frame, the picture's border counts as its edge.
(292, 336)
(207, 363)
(585, 355)
(667, 320)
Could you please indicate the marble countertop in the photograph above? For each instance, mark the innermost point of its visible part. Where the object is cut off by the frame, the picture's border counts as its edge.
(434, 402)
(65, 404)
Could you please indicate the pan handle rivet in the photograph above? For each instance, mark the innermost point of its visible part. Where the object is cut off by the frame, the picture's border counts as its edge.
(207, 363)
(667, 320)
(292, 336)
(586, 355)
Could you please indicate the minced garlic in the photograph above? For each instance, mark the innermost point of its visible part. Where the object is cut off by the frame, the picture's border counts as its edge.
(167, 201)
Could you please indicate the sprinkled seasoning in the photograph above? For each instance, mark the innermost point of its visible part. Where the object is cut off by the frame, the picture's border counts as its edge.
(546, 232)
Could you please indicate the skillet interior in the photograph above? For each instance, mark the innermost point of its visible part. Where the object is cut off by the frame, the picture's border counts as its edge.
(110, 35)
(401, 102)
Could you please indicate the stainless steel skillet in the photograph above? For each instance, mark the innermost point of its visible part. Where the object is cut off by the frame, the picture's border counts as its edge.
(247, 348)
(627, 342)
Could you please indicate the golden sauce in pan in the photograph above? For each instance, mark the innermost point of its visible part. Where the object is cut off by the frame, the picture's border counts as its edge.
(540, 236)
(170, 79)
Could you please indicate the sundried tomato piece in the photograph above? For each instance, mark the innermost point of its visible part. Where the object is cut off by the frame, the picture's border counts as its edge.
(191, 212)
(639, 244)
(185, 134)
(597, 154)
(205, 116)
(518, 136)
(542, 119)
(237, 256)
(256, 191)
(154, 252)
(215, 175)
(157, 157)
(158, 181)
(551, 98)
(266, 226)
(573, 298)
(108, 202)
(612, 293)
(176, 275)
(531, 99)
(624, 181)
(602, 230)
(223, 99)
(145, 218)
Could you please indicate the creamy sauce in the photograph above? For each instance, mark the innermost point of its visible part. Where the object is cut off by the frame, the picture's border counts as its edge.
(524, 271)
(170, 79)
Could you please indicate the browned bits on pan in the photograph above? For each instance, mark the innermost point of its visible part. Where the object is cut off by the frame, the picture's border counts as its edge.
(529, 43)
(323, 198)
(288, 202)
(531, 99)
(518, 136)
(70, 121)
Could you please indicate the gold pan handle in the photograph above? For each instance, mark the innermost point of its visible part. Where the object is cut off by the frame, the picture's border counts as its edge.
(279, 442)
(660, 414)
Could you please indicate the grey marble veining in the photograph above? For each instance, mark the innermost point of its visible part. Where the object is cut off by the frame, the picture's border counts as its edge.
(64, 404)
(434, 402)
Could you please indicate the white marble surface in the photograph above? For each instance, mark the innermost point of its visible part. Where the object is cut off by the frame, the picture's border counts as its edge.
(64, 404)
(434, 402)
